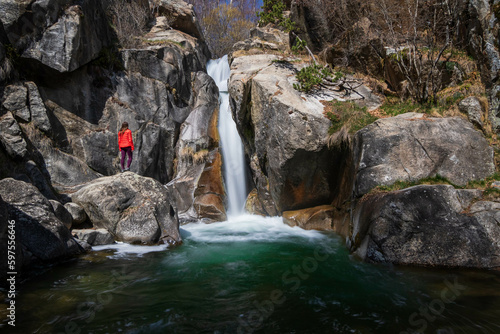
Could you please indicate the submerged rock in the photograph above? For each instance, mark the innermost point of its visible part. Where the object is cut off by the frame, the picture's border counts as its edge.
(133, 208)
(428, 226)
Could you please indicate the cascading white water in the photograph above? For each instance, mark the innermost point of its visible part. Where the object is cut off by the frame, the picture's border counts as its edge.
(230, 141)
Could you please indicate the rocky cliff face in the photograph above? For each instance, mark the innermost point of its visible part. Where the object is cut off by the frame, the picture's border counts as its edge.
(482, 36)
(70, 111)
(65, 89)
(61, 34)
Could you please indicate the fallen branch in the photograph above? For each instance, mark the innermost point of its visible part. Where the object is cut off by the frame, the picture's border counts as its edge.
(308, 50)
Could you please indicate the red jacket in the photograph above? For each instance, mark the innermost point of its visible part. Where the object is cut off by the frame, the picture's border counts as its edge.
(125, 139)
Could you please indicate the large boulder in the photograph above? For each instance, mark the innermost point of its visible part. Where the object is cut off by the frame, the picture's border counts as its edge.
(264, 38)
(133, 208)
(14, 100)
(411, 147)
(41, 237)
(25, 103)
(471, 106)
(312, 23)
(181, 16)
(428, 226)
(253, 205)
(63, 168)
(62, 214)
(61, 34)
(284, 133)
(11, 10)
(95, 237)
(38, 111)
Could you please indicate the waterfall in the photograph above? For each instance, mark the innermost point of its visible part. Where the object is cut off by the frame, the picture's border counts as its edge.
(230, 141)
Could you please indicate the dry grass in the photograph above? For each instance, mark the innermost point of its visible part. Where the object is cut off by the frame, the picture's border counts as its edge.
(201, 156)
(340, 139)
(197, 157)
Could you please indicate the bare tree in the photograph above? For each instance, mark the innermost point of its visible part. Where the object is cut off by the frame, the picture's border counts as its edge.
(223, 27)
(130, 19)
(419, 34)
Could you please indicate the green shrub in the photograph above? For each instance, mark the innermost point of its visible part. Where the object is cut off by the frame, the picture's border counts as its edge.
(109, 59)
(398, 185)
(489, 191)
(299, 45)
(311, 76)
(272, 12)
(394, 107)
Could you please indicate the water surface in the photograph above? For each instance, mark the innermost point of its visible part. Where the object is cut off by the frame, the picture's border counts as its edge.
(252, 274)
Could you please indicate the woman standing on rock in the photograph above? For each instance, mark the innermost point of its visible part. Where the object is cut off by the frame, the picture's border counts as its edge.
(126, 145)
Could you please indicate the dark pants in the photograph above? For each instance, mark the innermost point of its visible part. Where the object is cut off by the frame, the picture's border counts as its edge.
(128, 151)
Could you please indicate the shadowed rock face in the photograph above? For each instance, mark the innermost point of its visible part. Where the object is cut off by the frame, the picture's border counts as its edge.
(11, 137)
(40, 236)
(61, 34)
(410, 147)
(428, 226)
(133, 208)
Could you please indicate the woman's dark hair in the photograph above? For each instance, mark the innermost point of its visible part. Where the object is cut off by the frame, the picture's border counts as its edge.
(124, 127)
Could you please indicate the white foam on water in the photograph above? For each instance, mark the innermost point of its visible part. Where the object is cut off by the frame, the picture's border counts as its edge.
(246, 228)
(124, 249)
